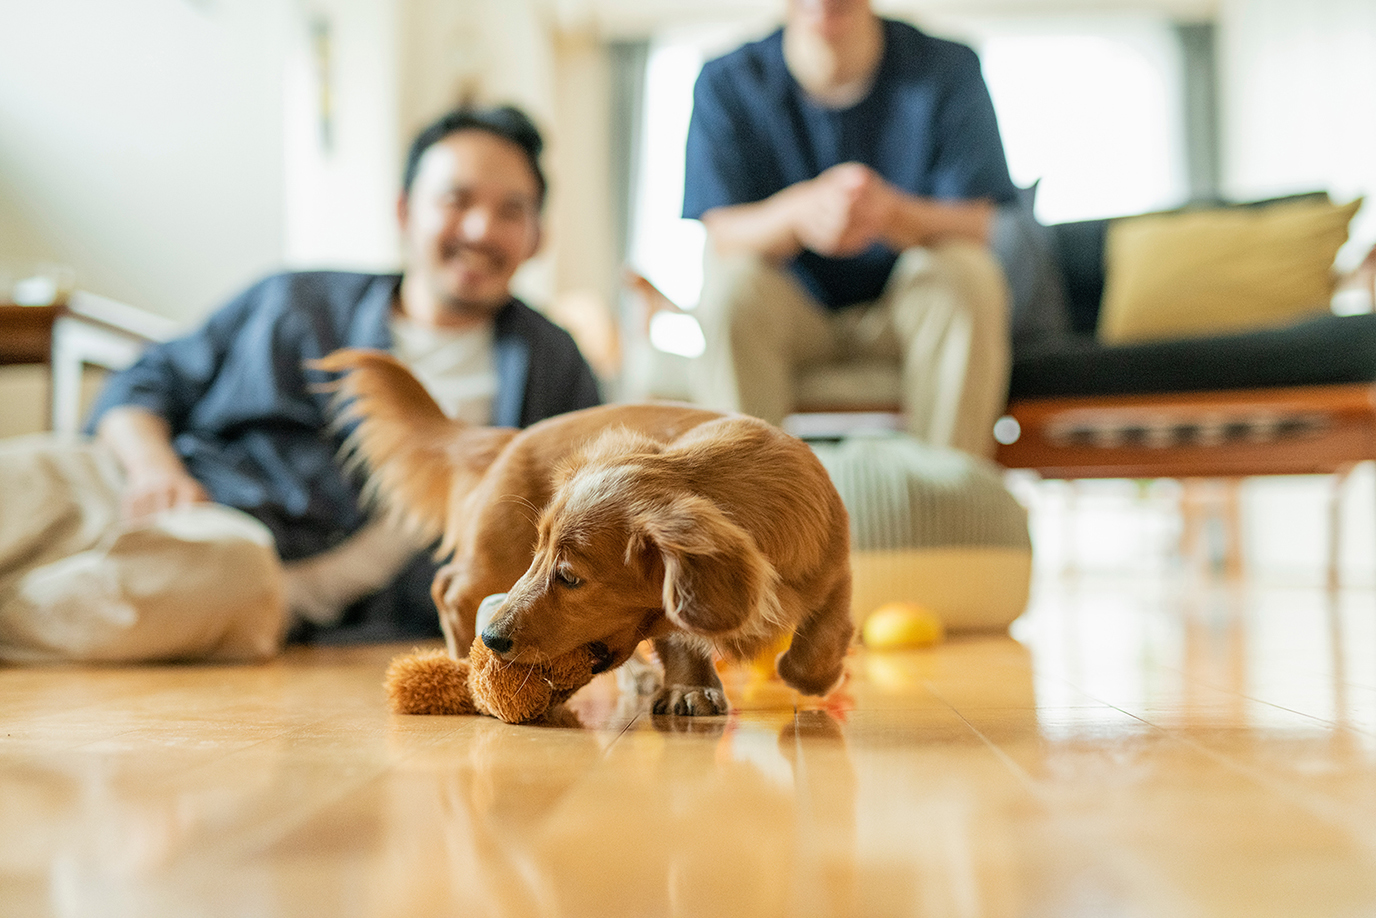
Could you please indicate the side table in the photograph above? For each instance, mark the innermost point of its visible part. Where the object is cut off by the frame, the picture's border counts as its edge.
(85, 330)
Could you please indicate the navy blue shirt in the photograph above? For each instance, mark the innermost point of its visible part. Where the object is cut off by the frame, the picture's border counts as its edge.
(253, 426)
(927, 126)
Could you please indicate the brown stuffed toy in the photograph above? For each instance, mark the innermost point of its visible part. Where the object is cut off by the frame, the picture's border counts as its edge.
(432, 682)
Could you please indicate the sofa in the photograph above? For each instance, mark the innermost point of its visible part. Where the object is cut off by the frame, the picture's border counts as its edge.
(1274, 396)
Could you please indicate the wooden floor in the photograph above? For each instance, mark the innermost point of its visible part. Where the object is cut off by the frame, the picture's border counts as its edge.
(1152, 747)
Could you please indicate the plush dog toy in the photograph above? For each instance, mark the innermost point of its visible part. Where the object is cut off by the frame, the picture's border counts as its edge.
(432, 682)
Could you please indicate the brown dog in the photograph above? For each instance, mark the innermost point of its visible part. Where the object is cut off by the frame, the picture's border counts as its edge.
(707, 534)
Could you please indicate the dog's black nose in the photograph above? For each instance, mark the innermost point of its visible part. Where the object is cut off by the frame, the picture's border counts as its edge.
(496, 642)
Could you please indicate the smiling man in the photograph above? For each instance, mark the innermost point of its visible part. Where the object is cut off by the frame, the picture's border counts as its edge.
(211, 511)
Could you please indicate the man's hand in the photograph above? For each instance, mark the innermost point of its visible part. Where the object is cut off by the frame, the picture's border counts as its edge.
(151, 490)
(844, 211)
(840, 213)
(156, 479)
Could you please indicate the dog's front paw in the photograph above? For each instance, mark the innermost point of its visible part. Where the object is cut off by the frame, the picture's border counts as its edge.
(691, 700)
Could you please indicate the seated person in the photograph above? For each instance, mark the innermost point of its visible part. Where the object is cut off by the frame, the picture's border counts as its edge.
(849, 172)
(211, 510)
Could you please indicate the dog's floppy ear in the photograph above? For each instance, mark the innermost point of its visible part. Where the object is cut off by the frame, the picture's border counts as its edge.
(417, 456)
(715, 577)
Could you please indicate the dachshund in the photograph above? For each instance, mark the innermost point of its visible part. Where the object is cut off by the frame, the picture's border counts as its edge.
(706, 534)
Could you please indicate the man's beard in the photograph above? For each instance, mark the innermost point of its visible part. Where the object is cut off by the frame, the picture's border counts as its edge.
(455, 304)
(460, 302)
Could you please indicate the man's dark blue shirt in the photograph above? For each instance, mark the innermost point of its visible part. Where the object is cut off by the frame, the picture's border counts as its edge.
(927, 126)
(256, 428)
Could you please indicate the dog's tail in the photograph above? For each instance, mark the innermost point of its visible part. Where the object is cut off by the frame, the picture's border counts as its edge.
(420, 460)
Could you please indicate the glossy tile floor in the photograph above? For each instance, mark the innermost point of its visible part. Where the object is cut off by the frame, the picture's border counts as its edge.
(1140, 746)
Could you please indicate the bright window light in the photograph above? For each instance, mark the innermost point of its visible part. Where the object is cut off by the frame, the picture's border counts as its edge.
(676, 333)
(664, 247)
(1096, 119)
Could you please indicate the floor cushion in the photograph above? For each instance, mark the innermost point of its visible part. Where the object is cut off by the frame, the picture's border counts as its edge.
(932, 526)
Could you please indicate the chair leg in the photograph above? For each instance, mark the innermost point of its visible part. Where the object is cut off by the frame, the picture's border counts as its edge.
(1337, 487)
(1232, 529)
(1211, 525)
(1197, 518)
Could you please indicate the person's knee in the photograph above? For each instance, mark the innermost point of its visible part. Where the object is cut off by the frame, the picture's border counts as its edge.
(193, 583)
(975, 272)
(966, 273)
(736, 289)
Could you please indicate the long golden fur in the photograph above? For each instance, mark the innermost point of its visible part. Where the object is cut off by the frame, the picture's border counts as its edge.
(705, 533)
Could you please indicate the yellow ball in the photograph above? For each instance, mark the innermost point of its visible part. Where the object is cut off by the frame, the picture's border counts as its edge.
(901, 625)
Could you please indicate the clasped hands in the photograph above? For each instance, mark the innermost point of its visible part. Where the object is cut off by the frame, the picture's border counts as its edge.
(845, 210)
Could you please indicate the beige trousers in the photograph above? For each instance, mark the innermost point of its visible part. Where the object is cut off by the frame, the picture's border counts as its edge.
(194, 583)
(943, 316)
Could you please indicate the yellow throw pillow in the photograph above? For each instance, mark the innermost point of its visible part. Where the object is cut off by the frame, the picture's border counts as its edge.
(1195, 273)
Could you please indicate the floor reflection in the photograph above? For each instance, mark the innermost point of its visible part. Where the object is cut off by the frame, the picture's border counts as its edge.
(752, 805)
(1152, 748)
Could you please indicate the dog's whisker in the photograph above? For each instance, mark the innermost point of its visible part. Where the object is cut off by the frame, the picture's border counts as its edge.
(527, 504)
(534, 517)
(530, 671)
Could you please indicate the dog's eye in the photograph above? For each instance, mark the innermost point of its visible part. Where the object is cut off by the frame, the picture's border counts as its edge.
(566, 579)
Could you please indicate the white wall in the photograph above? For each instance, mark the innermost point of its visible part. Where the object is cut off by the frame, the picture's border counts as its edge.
(491, 50)
(141, 143)
(340, 191)
(581, 223)
(170, 150)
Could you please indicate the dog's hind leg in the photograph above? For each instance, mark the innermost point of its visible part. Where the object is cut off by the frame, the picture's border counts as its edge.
(813, 663)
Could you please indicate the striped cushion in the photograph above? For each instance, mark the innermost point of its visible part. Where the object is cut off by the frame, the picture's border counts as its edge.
(933, 526)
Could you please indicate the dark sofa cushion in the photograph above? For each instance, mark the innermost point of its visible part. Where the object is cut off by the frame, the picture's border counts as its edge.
(1326, 350)
(1081, 249)
(1031, 261)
